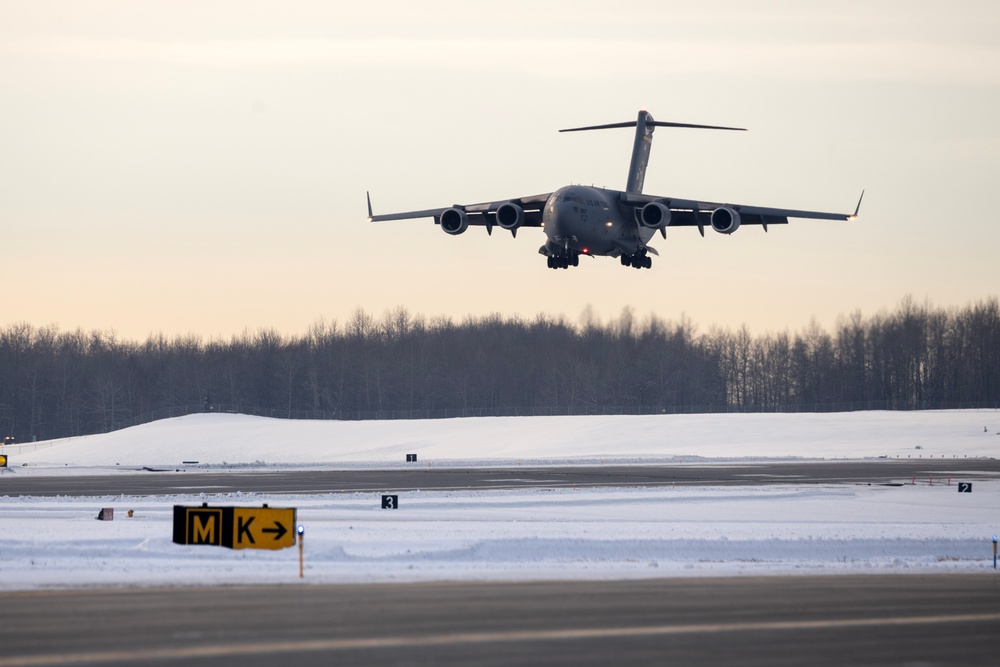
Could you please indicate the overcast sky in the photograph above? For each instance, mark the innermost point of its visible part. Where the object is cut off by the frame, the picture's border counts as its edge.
(201, 167)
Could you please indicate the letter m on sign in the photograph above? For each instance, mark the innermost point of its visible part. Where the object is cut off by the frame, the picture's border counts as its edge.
(204, 526)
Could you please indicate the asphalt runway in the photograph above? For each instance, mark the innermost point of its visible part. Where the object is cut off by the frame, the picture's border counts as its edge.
(838, 620)
(427, 477)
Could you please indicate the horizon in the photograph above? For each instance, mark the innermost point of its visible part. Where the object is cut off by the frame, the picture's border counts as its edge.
(587, 318)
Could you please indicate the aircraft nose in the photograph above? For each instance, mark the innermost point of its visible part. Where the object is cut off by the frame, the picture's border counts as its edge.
(560, 213)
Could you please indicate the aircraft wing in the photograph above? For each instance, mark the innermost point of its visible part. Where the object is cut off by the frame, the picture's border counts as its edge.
(691, 213)
(482, 214)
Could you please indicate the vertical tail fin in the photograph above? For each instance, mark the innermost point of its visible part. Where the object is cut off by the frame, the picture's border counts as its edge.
(644, 125)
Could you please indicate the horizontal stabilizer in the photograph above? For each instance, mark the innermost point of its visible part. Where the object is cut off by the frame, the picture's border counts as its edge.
(654, 123)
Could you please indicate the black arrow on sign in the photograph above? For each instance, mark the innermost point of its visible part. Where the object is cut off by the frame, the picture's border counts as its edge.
(280, 530)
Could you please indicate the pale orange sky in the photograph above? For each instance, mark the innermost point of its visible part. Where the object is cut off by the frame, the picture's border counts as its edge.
(201, 167)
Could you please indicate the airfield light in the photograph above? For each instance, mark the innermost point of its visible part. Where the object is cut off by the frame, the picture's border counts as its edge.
(608, 223)
(302, 529)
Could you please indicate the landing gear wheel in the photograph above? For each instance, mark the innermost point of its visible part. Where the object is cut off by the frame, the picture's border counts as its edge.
(563, 261)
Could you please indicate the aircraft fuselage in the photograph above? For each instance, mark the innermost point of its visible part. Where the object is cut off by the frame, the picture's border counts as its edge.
(586, 220)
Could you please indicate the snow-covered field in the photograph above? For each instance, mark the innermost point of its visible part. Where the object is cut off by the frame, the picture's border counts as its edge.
(514, 535)
(222, 439)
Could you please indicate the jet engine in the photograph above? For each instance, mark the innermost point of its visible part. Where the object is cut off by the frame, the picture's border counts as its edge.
(454, 221)
(725, 220)
(654, 215)
(510, 216)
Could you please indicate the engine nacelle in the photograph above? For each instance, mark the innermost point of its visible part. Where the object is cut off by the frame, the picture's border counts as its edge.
(510, 216)
(454, 221)
(725, 220)
(654, 215)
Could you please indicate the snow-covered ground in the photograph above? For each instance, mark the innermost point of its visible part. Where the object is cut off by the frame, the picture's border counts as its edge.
(504, 534)
(226, 440)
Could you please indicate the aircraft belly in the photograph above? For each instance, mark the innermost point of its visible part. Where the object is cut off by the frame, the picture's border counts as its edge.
(594, 239)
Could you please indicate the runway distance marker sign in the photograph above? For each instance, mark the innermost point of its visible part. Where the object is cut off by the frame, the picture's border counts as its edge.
(235, 527)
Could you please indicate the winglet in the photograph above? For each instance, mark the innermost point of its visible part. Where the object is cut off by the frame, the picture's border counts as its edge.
(370, 214)
(858, 207)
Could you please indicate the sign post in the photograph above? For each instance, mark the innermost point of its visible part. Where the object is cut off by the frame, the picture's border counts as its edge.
(302, 539)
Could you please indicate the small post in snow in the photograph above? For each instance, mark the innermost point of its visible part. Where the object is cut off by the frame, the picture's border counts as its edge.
(302, 538)
(994, 552)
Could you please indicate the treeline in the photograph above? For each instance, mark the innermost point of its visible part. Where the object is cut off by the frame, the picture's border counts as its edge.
(56, 384)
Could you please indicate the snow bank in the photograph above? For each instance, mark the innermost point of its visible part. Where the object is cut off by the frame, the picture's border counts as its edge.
(222, 439)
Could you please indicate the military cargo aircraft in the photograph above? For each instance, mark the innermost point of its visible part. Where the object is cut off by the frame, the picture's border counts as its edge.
(586, 220)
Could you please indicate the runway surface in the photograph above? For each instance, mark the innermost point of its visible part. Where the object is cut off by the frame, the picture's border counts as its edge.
(884, 620)
(424, 477)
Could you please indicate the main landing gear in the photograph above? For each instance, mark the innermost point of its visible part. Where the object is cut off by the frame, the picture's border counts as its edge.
(640, 260)
(563, 261)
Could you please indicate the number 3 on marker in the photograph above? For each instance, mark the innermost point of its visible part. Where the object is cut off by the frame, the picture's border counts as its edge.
(390, 502)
